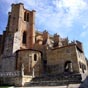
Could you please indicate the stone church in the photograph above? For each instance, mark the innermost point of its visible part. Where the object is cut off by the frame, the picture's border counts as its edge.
(27, 54)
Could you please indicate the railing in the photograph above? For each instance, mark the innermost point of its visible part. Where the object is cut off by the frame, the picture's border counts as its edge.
(10, 74)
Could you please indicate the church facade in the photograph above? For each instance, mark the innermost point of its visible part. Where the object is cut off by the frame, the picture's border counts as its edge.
(26, 53)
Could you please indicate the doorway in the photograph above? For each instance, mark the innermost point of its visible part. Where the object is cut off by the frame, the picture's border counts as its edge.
(68, 66)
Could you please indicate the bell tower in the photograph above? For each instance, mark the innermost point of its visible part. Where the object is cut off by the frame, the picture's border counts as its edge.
(19, 34)
(21, 23)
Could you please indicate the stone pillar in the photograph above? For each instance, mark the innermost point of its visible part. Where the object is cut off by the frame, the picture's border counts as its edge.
(33, 73)
(22, 70)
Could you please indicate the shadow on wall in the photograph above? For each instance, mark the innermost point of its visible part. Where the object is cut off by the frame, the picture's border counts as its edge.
(84, 84)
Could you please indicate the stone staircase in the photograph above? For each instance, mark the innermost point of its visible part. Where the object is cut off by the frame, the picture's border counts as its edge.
(55, 80)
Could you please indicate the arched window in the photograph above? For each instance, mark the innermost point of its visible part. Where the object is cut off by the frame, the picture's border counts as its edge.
(27, 17)
(35, 57)
(24, 16)
(68, 66)
(24, 38)
(82, 66)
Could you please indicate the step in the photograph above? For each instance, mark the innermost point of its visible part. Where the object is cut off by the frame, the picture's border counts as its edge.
(55, 80)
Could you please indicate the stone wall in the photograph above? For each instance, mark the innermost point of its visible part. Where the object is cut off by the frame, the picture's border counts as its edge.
(8, 63)
(15, 81)
(83, 68)
(8, 46)
(59, 56)
(8, 57)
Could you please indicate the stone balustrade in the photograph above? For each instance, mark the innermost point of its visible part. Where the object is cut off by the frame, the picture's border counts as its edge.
(10, 74)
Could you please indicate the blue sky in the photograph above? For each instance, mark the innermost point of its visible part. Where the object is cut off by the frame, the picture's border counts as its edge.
(65, 17)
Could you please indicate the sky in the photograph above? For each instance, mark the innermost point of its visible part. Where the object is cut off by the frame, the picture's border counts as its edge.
(68, 18)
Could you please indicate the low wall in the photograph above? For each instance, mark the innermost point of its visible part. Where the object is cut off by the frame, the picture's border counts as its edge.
(10, 74)
(14, 78)
(15, 81)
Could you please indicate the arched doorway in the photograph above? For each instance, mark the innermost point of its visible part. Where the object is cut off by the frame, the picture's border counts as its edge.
(68, 66)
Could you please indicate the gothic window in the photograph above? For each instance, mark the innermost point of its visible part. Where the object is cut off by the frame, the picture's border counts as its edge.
(24, 38)
(85, 67)
(35, 57)
(27, 17)
(24, 16)
(82, 66)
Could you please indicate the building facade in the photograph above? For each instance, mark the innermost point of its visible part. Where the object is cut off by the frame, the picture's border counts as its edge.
(32, 53)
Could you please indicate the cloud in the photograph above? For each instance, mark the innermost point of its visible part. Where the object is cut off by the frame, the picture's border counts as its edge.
(8, 1)
(85, 26)
(55, 15)
(85, 31)
(71, 9)
(61, 15)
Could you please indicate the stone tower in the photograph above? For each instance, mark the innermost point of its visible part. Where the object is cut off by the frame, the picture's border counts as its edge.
(19, 34)
(21, 22)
